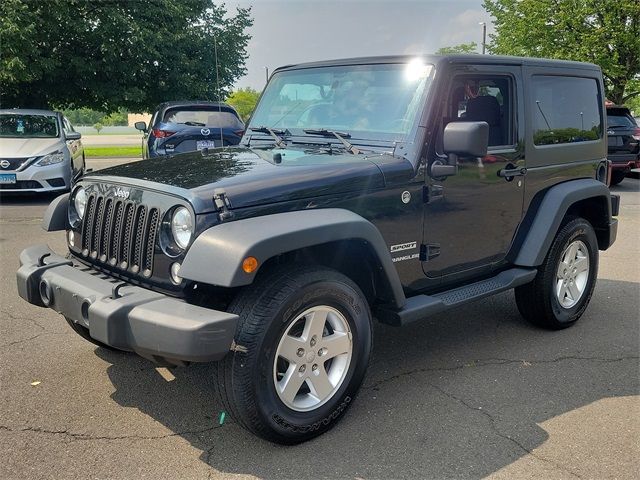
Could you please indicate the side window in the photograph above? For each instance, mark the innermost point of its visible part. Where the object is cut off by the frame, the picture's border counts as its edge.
(484, 98)
(565, 110)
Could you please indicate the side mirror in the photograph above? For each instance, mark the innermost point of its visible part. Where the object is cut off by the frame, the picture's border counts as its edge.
(142, 126)
(466, 139)
(73, 136)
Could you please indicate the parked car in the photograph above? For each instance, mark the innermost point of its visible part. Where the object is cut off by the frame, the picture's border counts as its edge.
(39, 151)
(623, 136)
(179, 127)
(392, 188)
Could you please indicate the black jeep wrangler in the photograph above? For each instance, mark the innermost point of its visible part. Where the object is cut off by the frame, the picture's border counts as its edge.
(390, 188)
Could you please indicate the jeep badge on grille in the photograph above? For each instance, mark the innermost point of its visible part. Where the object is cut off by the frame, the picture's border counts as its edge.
(121, 193)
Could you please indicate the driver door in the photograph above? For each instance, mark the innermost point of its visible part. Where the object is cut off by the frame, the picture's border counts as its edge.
(471, 217)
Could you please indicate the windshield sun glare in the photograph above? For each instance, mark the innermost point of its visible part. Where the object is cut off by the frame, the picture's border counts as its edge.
(375, 102)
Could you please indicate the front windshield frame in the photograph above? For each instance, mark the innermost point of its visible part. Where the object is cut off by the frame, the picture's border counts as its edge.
(22, 122)
(408, 112)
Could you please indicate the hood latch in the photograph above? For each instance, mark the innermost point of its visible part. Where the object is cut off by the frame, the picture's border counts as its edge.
(222, 204)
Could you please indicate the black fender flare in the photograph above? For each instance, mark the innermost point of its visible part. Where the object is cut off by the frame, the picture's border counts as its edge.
(537, 232)
(56, 215)
(216, 255)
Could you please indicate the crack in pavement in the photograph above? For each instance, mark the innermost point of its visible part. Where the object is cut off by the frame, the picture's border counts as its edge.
(498, 432)
(495, 361)
(25, 340)
(86, 437)
(21, 319)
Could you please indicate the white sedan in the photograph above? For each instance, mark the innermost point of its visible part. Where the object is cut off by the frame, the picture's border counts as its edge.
(39, 151)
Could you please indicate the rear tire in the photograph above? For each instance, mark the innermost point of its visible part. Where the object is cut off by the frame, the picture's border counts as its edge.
(562, 289)
(302, 349)
(616, 177)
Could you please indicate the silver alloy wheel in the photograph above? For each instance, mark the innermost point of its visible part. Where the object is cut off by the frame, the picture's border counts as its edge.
(572, 274)
(312, 358)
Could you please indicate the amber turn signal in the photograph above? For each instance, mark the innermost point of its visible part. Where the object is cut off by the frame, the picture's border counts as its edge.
(250, 264)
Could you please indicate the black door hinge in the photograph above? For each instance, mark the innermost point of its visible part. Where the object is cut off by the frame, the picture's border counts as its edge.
(429, 251)
(432, 194)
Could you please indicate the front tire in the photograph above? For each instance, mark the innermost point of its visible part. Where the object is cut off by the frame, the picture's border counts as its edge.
(302, 349)
(562, 289)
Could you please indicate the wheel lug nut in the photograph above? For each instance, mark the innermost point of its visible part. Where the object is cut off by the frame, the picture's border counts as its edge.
(322, 351)
(300, 352)
(302, 368)
(313, 341)
(315, 367)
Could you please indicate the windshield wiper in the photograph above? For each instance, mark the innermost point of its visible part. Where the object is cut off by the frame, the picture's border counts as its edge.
(275, 133)
(194, 124)
(339, 135)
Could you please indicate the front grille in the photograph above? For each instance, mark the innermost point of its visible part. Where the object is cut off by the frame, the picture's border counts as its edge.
(15, 163)
(120, 233)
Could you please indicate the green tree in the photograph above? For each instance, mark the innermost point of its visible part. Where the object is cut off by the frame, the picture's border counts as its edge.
(244, 101)
(119, 118)
(97, 127)
(107, 55)
(83, 116)
(633, 87)
(605, 32)
(471, 47)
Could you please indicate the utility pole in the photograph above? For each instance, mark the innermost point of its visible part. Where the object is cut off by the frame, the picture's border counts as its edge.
(266, 70)
(484, 36)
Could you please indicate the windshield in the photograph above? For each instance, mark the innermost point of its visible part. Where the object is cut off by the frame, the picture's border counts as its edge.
(375, 102)
(16, 125)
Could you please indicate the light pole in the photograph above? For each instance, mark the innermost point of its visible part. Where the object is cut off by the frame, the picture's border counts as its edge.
(484, 36)
(266, 71)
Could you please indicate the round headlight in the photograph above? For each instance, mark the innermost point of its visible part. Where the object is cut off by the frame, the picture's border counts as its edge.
(182, 227)
(80, 202)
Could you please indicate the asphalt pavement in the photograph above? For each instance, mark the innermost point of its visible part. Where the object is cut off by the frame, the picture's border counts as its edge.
(471, 393)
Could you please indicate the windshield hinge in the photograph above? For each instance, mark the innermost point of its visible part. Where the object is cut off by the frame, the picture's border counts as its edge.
(222, 203)
(433, 193)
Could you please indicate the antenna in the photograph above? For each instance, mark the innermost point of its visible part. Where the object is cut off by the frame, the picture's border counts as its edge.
(543, 115)
(215, 52)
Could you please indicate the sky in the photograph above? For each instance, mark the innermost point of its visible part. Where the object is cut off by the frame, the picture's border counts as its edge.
(295, 31)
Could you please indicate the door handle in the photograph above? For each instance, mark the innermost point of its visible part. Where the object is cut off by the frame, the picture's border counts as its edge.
(510, 171)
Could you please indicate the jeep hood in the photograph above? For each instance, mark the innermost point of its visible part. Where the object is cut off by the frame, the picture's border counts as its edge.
(249, 177)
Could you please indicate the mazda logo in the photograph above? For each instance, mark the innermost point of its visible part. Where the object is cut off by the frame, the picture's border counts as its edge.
(205, 131)
(5, 163)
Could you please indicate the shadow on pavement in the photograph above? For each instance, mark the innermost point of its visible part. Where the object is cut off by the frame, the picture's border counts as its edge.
(27, 199)
(461, 394)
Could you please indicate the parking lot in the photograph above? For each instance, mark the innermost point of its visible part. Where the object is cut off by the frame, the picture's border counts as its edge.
(472, 393)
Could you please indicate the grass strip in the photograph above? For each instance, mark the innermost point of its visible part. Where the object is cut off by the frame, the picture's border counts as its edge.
(131, 151)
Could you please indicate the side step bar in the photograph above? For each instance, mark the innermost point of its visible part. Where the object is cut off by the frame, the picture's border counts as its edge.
(420, 307)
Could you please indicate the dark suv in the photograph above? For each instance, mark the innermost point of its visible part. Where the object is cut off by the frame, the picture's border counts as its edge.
(179, 127)
(623, 136)
(392, 188)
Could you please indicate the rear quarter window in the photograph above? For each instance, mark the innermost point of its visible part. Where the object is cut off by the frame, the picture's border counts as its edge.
(565, 110)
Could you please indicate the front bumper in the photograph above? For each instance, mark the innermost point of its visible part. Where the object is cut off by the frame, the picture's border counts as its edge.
(36, 179)
(124, 316)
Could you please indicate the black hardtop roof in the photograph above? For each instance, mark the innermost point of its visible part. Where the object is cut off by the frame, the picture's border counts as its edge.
(451, 59)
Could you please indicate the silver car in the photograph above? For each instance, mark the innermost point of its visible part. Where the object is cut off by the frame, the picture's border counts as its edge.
(39, 151)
